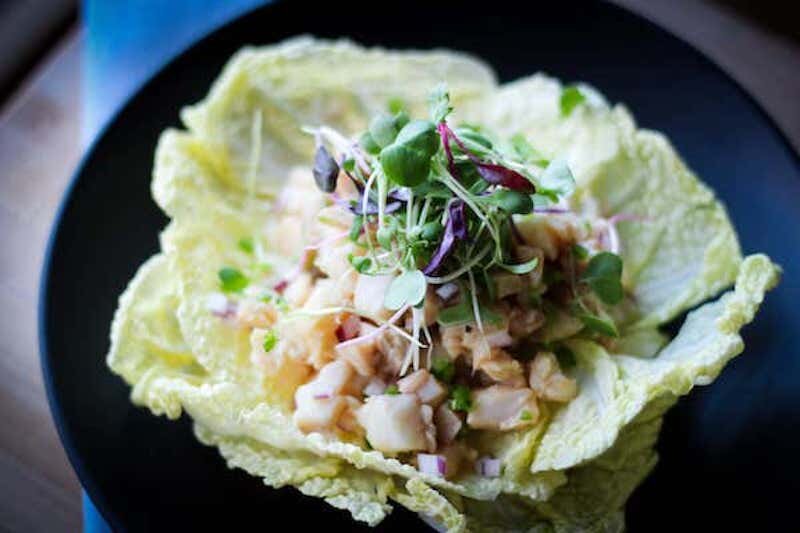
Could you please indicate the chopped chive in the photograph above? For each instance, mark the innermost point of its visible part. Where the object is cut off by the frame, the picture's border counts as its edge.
(460, 398)
(231, 280)
(246, 245)
(270, 340)
(443, 369)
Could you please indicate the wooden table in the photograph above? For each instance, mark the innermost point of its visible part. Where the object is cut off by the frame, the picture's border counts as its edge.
(40, 146)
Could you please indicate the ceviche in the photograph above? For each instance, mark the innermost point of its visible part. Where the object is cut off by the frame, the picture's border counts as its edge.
(388, 278)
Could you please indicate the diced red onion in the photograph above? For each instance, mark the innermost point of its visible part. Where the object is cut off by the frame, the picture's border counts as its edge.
(447, 291)
(435, 465)
(216, 302)
(281, 286)
(349, 329)
(488, 467)
(499, 339)
(220, 306)
(375, 387)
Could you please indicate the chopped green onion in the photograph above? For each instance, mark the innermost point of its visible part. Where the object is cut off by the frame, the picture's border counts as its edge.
(526, 415)
(231, 280)
(443, 369)
(571, 97)
(246, 245)
(270, 340)
(392, 390)
(460, 398)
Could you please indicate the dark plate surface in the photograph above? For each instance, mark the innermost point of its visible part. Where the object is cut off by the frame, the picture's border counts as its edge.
(729, 452)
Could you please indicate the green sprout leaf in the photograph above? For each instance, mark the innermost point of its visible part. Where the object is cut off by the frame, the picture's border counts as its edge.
(460, 398)
(407, 161)
(368, 143)
(392, 390)
(463, 314)
(512, 202)
(602, 325)
(360, 263)
(355, 229)
(556, 181)
(521, 268)
(231, 280)
(571, 97)
(395, 105)
(382, 129)
(580, 253)
(443, 369)
(603, 275)
(439, 103)
(384, 236)
(349, 164)
(406, 289)
(431, 231)
(526, 152)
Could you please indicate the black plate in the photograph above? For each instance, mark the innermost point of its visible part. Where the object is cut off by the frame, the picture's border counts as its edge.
(729, 453)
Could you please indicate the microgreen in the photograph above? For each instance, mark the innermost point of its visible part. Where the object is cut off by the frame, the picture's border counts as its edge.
(360, 262)
(556, 181)
(455, 229)
(392, 390)
(368, 144)
(525, 151)
(406, 289)
(571, 97)
(521, 268)
(395, 105)
(383, 129)
(599, 324)
(463, 314)
(407, 161)
(231, 280)
(355, 229)
(325, 169)
(603, 275)
(512, 202)
(460, 398)
(439, 103)
(580, 253)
